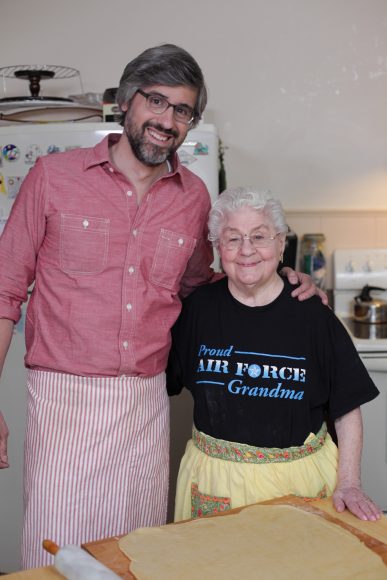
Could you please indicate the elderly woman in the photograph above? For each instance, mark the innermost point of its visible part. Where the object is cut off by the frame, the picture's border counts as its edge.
(265, 372)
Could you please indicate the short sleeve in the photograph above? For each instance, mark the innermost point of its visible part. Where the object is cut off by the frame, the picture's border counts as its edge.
(350, 382)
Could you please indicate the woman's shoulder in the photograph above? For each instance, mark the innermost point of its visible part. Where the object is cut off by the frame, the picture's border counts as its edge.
(206, 293)
(209, 289)
(312, 306)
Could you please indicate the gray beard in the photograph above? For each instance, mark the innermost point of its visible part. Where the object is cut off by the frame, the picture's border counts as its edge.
(148, 153)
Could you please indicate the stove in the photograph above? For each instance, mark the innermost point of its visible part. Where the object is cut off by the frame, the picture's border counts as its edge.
(354, 269)
(361, 331)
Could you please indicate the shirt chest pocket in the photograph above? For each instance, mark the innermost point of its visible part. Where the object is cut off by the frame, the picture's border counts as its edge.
(172, 253)
(84, 243)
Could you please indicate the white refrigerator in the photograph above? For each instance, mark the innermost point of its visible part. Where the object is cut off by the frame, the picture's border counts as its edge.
(20, 146)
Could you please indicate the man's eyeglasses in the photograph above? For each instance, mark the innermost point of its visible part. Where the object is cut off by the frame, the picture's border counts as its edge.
(159, 104)
(232, 241)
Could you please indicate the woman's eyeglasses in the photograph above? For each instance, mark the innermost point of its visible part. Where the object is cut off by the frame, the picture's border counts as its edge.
(232, 241)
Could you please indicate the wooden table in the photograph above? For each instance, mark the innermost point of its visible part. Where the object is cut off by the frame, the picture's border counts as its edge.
(373, 534)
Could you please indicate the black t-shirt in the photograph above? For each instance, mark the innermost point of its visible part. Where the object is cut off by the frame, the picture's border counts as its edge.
(266, 375)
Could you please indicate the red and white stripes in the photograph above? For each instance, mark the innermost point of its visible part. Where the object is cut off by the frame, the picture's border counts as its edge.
(96, 459)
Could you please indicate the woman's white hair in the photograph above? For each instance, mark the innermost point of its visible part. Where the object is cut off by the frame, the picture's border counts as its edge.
(234, 198)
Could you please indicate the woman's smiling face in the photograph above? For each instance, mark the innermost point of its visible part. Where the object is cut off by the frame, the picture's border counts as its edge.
(248, 265)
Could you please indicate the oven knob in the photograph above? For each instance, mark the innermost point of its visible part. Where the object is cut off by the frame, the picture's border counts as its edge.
(368, 266)
(350, 266)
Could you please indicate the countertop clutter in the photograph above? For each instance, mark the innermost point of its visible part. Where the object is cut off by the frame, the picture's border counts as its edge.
(372, 534)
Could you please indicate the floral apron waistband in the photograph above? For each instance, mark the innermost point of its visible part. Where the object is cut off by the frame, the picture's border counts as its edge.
(243, 453)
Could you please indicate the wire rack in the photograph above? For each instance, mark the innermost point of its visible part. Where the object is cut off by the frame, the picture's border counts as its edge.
(36, 72)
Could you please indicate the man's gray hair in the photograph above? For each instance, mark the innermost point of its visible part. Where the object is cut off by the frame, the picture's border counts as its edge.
(167, 65)
(234, 198)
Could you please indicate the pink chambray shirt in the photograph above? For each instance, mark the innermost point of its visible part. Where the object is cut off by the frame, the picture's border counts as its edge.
(107, 272)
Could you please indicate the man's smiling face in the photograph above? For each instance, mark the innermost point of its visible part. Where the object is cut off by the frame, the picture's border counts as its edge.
(153, 137)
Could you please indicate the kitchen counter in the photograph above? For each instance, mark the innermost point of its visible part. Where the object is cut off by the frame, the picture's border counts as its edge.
(373, 534)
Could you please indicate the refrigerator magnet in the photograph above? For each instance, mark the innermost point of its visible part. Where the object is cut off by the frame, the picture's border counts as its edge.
(11, 152)
(32, 154)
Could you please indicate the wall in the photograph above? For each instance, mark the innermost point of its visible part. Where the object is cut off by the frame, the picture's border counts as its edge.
(298, 88)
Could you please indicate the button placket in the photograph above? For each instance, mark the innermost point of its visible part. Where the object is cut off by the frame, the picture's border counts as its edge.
(128, 321)
(132, 271)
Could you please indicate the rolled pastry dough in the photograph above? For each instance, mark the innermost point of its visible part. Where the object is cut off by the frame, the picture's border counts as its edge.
(258, 543)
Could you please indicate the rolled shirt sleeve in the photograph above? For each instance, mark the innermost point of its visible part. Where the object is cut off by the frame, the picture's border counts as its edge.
(20, 242)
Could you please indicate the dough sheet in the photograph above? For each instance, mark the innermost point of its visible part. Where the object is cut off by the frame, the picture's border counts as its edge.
(259, 543)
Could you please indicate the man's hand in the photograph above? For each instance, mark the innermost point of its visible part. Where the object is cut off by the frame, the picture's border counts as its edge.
(306, 288)
(3, 442)
(356, 501)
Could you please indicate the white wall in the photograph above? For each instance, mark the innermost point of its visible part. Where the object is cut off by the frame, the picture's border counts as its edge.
(298, 88)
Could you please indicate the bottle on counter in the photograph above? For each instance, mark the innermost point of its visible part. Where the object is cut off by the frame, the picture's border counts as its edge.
(313, 261)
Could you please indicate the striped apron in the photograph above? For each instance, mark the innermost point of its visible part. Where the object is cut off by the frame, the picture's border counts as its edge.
(96, 459)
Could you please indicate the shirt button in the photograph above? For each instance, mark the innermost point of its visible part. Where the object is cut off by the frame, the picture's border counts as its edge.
(135, 233)
(180, 241)
(129, 193)
(129, 307)
(125, 344)
(111, 169)
(130, 269)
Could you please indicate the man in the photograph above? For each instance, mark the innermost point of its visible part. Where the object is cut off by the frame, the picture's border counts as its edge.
(111, 236)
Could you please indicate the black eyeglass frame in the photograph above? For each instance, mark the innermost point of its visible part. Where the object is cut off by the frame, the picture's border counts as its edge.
(168, 104)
